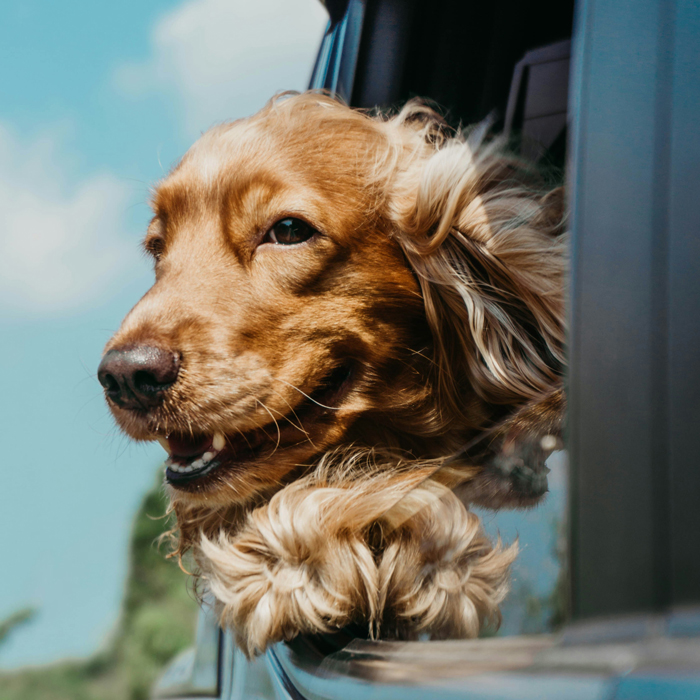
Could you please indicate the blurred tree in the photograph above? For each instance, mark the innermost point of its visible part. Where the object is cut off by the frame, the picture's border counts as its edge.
(157, 621)
(15, 620)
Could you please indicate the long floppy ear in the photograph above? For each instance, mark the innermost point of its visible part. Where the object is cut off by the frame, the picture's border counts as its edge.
(486, 242)
(487, 247)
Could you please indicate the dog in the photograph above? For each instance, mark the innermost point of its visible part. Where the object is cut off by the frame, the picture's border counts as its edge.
(356, 330)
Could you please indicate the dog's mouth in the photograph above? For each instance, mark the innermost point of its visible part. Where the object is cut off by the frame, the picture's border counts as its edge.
(193, 457)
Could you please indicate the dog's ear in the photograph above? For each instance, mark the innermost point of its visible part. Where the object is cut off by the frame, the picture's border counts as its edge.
(486, 242)
(486, 245)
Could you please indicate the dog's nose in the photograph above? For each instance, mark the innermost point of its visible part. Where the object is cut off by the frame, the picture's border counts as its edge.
(137, 377)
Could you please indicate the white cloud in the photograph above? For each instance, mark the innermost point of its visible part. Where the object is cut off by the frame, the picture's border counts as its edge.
(63, 246)
(225, 58)
(60, 247)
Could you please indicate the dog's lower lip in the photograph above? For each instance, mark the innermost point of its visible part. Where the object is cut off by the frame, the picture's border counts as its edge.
(177, 477)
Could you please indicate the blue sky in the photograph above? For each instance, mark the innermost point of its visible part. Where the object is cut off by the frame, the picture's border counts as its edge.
(97, 101)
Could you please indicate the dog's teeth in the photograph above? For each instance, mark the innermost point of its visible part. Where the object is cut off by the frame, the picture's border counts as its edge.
(218, 442)
(198, 464)
(163, 443)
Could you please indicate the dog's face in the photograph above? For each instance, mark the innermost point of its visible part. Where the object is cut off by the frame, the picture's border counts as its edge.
(284, 309)
(287, 316)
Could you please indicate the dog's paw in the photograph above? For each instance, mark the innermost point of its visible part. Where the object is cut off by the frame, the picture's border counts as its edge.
(321, 555)
(296, 566)
(440, 574)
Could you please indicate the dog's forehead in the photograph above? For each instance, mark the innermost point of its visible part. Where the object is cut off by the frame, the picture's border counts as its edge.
(268, 154)
(224, 151)
(230, 157)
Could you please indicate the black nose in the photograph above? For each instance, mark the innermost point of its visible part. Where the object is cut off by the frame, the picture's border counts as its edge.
(138, 377)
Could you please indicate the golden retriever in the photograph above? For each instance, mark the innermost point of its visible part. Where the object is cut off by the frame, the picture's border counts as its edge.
(352, 317)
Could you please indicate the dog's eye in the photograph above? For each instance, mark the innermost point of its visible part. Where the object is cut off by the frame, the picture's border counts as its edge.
(289, 232)
(154, 246)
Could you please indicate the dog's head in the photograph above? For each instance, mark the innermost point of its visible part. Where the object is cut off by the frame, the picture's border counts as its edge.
(323, 277)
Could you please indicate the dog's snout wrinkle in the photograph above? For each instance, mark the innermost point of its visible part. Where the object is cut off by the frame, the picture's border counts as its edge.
(137, 378)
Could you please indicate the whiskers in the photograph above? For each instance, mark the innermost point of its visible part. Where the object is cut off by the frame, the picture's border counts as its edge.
(297, 425)
(310, 398)
(274, 420)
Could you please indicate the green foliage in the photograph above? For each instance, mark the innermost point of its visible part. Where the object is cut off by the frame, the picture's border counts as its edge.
(15, 620)
(157, 621)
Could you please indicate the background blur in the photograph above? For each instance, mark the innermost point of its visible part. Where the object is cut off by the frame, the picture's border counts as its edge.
(97, 102)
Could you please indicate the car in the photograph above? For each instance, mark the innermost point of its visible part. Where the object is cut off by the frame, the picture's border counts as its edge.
(610, 91)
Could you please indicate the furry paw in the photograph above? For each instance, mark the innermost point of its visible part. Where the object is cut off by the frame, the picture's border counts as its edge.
(440, 574)
(298, 565)
(326, 553)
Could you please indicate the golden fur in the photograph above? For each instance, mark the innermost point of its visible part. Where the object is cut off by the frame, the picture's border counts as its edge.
(308, 561)
(354, 374)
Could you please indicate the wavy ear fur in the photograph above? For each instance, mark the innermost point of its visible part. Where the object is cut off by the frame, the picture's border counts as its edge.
(487, 247)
